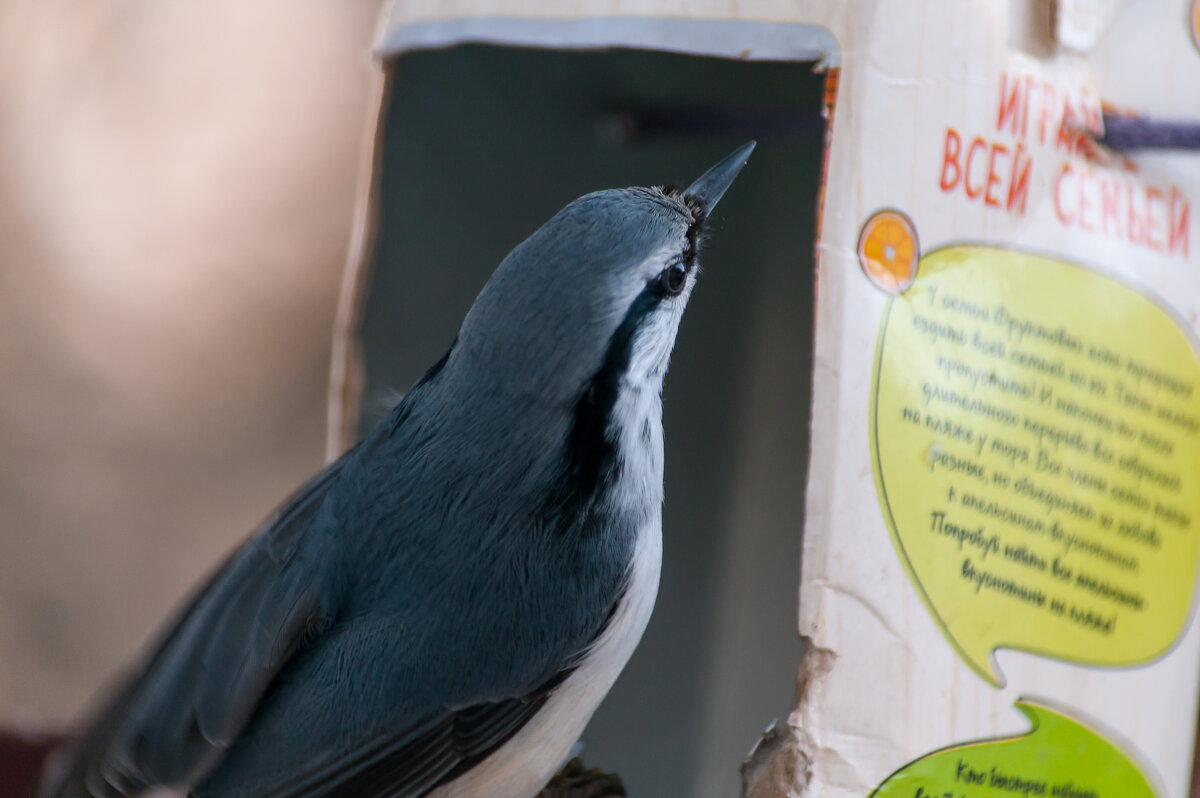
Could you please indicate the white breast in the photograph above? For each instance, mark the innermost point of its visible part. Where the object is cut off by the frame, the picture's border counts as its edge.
(523, 765)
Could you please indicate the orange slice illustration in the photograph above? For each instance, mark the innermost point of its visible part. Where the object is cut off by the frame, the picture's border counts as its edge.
(888, 250)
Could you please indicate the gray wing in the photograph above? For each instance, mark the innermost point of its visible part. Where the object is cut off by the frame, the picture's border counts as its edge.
(175, 717)
(406, 765)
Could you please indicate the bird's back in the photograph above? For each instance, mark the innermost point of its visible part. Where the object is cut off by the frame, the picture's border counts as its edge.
(449, 561)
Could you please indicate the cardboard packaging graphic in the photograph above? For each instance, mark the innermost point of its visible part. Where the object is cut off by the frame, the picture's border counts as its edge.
(1003, 525)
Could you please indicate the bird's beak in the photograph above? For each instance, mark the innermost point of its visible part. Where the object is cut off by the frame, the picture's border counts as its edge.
(711, 186)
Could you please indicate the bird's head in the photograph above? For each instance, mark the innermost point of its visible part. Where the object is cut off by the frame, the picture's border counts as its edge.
(593, 299)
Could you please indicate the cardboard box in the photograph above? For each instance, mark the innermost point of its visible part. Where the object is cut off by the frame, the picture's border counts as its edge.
(999, 541)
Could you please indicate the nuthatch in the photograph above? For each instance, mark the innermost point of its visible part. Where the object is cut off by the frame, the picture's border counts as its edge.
(441, 610)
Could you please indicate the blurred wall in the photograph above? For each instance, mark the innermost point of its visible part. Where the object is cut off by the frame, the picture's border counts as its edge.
(176, 188)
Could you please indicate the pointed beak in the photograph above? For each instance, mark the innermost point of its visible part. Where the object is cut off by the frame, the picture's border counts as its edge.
(711, 186)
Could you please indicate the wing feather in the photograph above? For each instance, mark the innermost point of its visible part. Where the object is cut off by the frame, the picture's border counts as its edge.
(408, 764)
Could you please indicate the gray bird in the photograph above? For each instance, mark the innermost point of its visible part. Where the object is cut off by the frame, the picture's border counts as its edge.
(441, 610)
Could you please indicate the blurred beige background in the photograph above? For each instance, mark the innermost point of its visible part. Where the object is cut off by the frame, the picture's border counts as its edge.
(176, 189)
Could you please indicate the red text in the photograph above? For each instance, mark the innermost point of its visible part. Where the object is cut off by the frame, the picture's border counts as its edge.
(1032, 107)
(1112, 205)
(988, 171)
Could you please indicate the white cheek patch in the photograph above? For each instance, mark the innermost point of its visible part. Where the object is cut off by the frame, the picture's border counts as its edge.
(652, 347)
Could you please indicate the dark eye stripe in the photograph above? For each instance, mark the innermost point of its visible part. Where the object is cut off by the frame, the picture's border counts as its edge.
(591, 447)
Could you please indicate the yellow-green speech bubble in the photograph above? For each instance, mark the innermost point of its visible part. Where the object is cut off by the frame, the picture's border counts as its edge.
(1059, 758)
(1035, 429)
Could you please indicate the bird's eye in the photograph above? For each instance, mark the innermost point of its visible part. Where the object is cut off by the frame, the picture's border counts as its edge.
(673, 278)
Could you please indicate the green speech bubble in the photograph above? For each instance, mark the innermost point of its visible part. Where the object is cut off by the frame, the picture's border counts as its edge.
(1058, 758)
(1036, 438)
